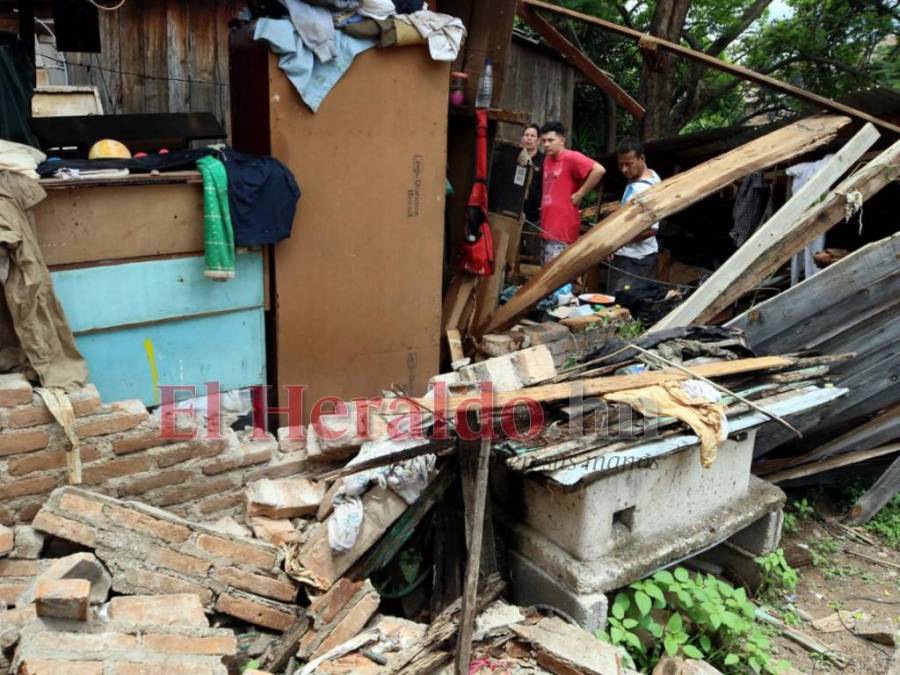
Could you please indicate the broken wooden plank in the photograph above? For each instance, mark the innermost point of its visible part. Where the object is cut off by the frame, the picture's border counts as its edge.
(473, 564)
(768, 247)
(846, 459)
(651, 42)
(877, 496)
(580, 60)
(664, 199)
(457, 302)
(454, 342)
(282, 649)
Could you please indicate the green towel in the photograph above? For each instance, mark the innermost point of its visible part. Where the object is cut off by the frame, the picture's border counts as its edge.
(217, 232)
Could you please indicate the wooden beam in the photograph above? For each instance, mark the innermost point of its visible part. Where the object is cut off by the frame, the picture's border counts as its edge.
(877, 496)
(649, 42)
(487, 291)
(765, 250)
(473, 565)
(846, 459)
(454, 342)
(580, 60)
(670, 196)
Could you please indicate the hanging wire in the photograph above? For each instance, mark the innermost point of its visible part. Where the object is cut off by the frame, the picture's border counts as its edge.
(88, 66)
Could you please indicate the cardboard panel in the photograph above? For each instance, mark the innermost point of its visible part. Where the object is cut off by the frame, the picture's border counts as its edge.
(358, 284)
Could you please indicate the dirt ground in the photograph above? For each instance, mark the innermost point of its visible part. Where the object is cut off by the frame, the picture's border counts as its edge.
(834, 577)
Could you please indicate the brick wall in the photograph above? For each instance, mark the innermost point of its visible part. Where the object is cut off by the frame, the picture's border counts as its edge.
(123, 455)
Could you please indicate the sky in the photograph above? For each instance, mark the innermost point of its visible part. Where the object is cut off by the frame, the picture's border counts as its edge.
(779, 9)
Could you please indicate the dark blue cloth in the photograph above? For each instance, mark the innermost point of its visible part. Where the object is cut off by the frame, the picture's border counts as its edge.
(262, 196)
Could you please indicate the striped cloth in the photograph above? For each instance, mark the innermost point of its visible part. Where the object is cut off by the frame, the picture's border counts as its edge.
(217, 233)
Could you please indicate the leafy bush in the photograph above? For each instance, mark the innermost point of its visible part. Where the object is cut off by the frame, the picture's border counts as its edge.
(777, 574)
(700, 617)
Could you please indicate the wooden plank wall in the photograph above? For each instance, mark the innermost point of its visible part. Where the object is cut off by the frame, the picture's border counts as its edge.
(161, 56)
(538, 84)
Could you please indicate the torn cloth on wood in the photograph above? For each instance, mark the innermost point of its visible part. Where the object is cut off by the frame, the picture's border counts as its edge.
(39, 337)
(692, 401)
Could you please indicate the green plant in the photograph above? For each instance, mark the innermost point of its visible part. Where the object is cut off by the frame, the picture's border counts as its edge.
(798, 511)
(629, 330)
(700, 617)
(803, 508)
(777, 574)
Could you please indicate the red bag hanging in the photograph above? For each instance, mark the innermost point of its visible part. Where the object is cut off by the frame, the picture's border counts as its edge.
(477, 255)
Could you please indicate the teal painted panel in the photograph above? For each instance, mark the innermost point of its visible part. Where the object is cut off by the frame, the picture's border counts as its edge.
(130, 362)
(95, 298)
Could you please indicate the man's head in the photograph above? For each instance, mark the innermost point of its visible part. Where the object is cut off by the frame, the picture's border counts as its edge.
(631, 159)
(530, 137)
(553, 138)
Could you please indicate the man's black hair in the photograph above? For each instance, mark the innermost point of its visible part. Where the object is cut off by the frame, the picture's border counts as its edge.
(555, 126)
(630, 145)
(533, 125)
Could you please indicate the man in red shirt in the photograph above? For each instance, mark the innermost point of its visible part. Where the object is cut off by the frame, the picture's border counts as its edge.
(568, 177)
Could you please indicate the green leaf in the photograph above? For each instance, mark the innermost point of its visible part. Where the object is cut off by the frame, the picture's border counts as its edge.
(705, 643)
(620, 605)
(692, 652)
(685, 598)
(634, 641)
(252, 665)
(740, 595)
(616, 634)
(629, 623)
(601, 635)
(653, 591)
(675, 624)
(643, 602)
(682, 574)
(671, 645)
(664, 577)
(732, 659)
(755, 664)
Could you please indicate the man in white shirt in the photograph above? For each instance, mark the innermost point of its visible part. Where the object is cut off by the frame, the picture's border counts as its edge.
(635, 263)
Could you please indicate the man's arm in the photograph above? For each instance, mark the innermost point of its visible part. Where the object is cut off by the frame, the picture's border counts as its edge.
(593, 178)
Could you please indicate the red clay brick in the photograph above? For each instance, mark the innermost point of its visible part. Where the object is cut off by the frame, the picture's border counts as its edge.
(227, 501)
(123, 416)
(177, 609)
(290, 465)
(29, 486)
(11, 590)
(147, 581)
(200, 449)
(141, 522)
(56, 667)
(18, 616)
(62, 598)
(87, 644)
(65, 528)
(237, 551)
(255, 612)
(245, 459)
(87, 508)
(330, 604)
(86, 401)
(279, 589)
(141, 485)
(14, 390)
(47, 459)
(29, 511)
(116, 468)
(137, 442)
(224, 645)
(351, 623)
(15, 442)
(178, 562)
(167, 668)
(203, 488)
(18, 568)
(7, 540)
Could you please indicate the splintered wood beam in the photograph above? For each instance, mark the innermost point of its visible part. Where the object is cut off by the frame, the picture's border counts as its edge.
(671, 196)
(580, 60)
(646, 41)
(770, 245)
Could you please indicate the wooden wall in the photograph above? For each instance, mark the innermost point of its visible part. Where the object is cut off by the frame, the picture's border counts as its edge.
(161, 56)
(539, 84)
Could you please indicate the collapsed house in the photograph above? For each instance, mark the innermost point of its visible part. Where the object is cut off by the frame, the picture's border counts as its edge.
(275, 471)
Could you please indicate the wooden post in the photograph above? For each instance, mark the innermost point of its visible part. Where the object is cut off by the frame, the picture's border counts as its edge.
(473, 566)
(884, 489)
(670, 196)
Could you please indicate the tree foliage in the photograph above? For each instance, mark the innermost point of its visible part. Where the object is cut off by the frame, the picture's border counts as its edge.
(830, 47)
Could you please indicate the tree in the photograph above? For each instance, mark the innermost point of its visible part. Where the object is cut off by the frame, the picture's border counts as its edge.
(831, 47)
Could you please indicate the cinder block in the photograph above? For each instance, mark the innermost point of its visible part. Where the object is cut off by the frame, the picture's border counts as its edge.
(763, 536)
(62, 598)
(532, 586)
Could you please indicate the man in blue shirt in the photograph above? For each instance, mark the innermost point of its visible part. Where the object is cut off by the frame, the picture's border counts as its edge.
(635, 263)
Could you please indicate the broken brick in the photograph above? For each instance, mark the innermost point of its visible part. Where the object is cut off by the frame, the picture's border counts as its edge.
(121, 416)
(62, 598)
(279, 589)
(76, 566)
(147, 581)
(286, 498)
(56, 667)
(237, 551)
(7, 540)
(255, 612)
(141, 522)
(178, 562)
(65, 528)
(182, 644)
(177, 609)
